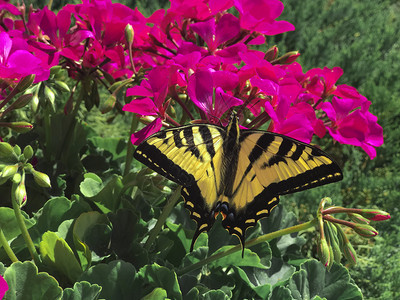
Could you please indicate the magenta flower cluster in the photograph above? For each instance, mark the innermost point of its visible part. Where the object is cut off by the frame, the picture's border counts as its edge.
(198, 49)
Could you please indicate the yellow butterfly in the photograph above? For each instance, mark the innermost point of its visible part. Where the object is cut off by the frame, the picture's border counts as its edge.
(238, 173)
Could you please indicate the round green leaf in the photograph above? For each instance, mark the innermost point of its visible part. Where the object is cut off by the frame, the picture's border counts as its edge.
(26, 283)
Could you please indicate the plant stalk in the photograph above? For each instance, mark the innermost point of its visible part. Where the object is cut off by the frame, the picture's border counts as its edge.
(22, 227)
(7, 248)
(164, 215)
(252, 242)
(129, 151)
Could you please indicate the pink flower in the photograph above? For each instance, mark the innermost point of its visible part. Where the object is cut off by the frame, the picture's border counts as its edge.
(260, 15)
(16, 62)
(353, 125)
(201, 88)
(3, 287)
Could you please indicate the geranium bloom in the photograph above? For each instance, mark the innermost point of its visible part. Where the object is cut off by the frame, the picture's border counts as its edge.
(16, 62)
(201, 88)
(353, 125)
(3, 287)
(260, 15)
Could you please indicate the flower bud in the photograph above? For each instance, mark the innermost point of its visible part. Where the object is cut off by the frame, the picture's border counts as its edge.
(9, 171)
(41, 178)
(108, 105)
(324, 253)
(17, 178)
(365, 230)
(358, 218)
(129, 34)
(22, 101)
(20, 194)
(334, 241)
(287, 58)
(375, 214)
(6, 150)
(35, 103)
(17, 150)
(62, 86)
(25, 82)
(271, 53)
(28, 152)
(350, 253)
(20, 127)
(50, 97)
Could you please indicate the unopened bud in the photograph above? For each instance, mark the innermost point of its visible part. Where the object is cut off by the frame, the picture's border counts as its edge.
(108, 105)
(25, 82)
(287, 58)
(271, 53)
(129, 34)
(28, 152)
(20, 194)
(324, 253)
(350, 253)
(41, 178)
(365, 230)
(22, 101)
(6, 150)
(358, 218)
(375, 214)
(9, 171)
(20, 127)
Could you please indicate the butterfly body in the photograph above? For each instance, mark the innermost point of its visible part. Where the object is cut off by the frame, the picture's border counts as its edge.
(238, 173)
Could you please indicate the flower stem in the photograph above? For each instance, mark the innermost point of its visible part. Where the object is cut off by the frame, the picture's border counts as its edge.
(252, 242)
(164, 215)
(129, 151)
(7, 248)
(22, 227)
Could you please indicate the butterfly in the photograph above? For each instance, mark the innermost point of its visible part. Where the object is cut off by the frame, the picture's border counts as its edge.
(239, 174)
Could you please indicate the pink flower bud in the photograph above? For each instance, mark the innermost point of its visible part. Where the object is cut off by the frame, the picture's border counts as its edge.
(324, 252)
(365, 230)
(350, 253)
(375, 214)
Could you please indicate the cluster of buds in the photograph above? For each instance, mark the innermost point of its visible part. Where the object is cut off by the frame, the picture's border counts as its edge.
(13, 165)
(333, 241)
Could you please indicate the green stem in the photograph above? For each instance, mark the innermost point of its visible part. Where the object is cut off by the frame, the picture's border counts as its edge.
(22, 227)
(7, 248)
(129, 151)
(252, 242)
(164, 215)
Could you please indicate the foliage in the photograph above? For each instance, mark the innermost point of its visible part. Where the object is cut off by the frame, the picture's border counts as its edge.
(100, 226)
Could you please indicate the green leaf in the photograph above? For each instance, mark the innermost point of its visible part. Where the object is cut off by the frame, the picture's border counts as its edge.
(57, 210)
(314, 280)
(91, 185)
(115, 145)
(26, 283)
(261, 288)
(115, 278)
(9, 225)
(153, 276)
(107, 196)
(250, 259)
(82, 290)
(215, 295)
(56, 253)
(156, 294)
(83, 223)
(281, 292)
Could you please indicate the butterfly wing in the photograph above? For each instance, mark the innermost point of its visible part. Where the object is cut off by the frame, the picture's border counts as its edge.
(190, 156)
(270, 165)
